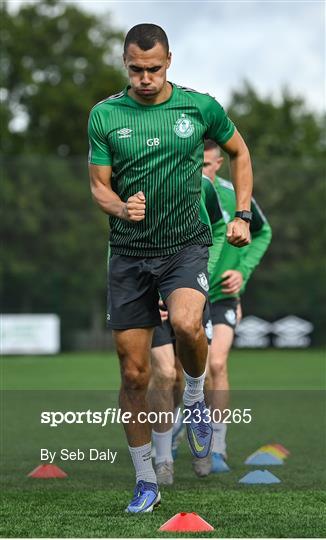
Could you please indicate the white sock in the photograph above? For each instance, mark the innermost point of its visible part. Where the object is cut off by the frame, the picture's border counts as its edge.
(177, 420)
(142, 460)
(163, 446)
(219, 434)
(194, 390)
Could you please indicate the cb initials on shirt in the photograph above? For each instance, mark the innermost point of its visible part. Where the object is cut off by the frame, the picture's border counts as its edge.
(153, 142)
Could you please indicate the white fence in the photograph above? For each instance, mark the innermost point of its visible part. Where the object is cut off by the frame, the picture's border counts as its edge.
(30, 334)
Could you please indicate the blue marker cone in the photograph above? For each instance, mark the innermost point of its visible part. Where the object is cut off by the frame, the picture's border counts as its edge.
(259, 477)
(263, 458)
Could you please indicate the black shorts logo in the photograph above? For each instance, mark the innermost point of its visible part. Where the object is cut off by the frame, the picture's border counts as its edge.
(231, 317)
(209, 329)
(203, 282)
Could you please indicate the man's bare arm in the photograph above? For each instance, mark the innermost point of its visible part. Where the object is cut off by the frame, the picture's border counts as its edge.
(241, 170)
(238, 232)
(109, 201)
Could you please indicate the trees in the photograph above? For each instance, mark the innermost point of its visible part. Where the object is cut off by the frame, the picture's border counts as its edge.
(57, 63)
(288, 151)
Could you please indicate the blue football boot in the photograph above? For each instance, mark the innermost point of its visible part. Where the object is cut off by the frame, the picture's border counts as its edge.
(199, 429)
(218, 463)
(146, 498)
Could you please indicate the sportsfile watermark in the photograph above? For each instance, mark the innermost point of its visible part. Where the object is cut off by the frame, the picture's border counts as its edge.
(113, 415)
(96, 457)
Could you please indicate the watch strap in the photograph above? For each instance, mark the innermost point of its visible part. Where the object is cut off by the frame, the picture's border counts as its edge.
(246, 215)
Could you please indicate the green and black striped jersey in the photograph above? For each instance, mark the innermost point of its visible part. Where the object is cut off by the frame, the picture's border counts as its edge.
(157, 149)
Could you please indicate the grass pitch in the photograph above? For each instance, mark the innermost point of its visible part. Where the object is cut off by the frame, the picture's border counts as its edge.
(284, 389)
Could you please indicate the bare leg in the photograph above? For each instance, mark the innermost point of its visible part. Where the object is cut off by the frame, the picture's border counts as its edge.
(218, 394)
(186, 311)
(160, 395)
(218, 385)
(160, 399)
(133, 348)
(178, 426)
(179, 384)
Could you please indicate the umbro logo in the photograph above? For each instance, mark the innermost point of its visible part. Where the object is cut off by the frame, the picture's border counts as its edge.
(124, 133)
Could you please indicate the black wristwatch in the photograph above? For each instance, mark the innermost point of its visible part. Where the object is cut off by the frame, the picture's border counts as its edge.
(245, 215)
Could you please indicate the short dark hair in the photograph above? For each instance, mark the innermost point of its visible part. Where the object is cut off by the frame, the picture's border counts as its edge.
(210, 145)
(146, 36)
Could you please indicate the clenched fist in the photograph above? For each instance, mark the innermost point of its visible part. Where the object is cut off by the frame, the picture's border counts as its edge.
(134, 208)
(238, 233)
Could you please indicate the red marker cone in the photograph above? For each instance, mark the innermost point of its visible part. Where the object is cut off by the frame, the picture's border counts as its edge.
(281, 448)
(186, 522)
(47, 471)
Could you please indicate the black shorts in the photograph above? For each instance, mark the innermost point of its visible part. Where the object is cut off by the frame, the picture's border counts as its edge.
(225, 312)
(164, 334)
(134, 285)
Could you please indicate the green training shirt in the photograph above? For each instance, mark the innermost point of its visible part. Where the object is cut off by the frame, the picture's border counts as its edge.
(243, 259)
(211, 213)
(157, 149)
